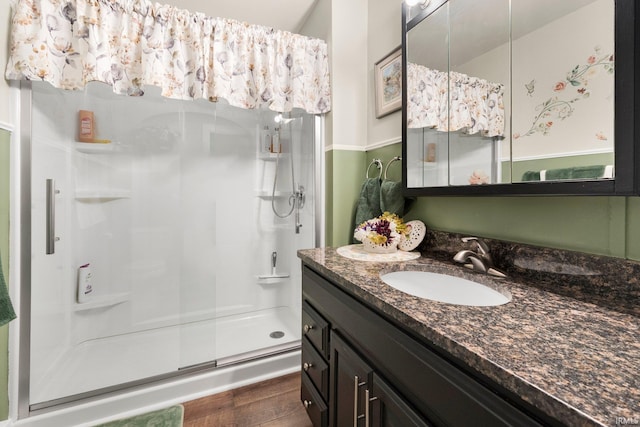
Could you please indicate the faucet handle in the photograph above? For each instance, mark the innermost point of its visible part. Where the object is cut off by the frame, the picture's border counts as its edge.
(483, 249)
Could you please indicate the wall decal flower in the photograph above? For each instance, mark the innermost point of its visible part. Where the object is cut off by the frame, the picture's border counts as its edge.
(601, 136)
(559, 86)
(561, 108)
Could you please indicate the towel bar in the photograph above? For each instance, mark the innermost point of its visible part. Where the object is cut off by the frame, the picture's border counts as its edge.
(378, 164)
(389, 164)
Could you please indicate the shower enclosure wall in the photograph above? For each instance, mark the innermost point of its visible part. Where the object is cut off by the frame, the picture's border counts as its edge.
(183, 220)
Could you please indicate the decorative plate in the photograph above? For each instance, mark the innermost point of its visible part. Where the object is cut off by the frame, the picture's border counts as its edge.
(375, 248)
(416, 235)
(358, 253)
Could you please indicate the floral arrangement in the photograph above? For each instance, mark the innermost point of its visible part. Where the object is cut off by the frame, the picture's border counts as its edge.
(478, 177)
(386, 230)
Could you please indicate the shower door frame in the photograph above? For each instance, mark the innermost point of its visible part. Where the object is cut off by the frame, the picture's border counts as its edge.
(21, 389)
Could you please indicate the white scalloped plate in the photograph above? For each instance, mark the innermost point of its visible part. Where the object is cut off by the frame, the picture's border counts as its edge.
(416, 235)
(358, 253)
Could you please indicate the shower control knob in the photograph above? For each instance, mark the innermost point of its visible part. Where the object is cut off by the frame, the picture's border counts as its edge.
(306, 366)
(307, 328)
(306, 403)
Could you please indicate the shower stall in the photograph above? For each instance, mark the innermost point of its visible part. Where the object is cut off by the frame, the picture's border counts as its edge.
(167, 246)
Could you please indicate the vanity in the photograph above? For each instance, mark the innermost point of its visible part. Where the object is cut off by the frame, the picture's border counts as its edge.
(500, 98)
(375, 356)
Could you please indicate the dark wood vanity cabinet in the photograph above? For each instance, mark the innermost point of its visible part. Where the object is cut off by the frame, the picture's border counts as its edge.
(360, 369)
(364, 398)
(314, 364)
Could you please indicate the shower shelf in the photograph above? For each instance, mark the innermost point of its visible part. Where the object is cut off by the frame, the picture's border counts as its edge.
(102, 302)
(95, 147)
(107, 194)
(267, 194)
(271, 156)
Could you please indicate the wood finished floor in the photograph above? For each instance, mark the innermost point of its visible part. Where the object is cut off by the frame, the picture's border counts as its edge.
(272, 403)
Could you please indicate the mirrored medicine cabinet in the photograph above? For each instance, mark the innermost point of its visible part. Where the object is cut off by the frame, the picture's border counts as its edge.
(520, 97)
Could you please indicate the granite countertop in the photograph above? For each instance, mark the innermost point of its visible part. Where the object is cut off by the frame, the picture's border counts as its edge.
(576, 361)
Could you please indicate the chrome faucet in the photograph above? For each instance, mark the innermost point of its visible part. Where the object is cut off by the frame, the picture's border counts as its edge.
(480, 260)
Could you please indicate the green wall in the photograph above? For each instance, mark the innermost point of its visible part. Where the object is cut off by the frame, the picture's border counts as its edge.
(5, 138)
(599, 225)
(345, 172)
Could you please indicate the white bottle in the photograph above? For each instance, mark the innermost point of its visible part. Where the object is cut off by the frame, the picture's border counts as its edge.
(85, 285)
(265, 141)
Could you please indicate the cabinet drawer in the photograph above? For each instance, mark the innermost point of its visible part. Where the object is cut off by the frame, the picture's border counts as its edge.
(315, 328)
(315, 406)
(316, 368)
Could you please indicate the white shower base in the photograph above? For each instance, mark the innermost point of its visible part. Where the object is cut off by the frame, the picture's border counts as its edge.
(162, 395)
(100, 363)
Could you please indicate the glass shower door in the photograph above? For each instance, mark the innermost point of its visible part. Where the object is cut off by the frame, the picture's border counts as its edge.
(240, 271)
(119, 333)
(189, 225)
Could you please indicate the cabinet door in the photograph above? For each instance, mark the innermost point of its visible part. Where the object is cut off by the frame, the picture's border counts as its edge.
(349, 381)
(388, 409)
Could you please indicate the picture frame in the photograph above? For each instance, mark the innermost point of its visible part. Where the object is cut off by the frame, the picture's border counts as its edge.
(388, 83)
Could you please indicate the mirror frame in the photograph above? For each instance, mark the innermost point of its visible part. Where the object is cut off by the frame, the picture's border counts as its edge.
(626, 118)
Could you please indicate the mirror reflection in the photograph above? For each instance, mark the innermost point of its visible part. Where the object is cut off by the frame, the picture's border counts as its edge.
(501, 92)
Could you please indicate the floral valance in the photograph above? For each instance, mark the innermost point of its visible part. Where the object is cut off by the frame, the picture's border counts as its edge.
(453, 101)
(132, 43)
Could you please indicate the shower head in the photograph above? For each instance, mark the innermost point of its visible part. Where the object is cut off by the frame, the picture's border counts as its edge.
(281, 120)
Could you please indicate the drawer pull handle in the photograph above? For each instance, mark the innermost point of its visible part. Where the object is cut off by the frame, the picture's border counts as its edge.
(367, 400)
(306, 366)
(306, 403)
(307, 328)
(356, 384)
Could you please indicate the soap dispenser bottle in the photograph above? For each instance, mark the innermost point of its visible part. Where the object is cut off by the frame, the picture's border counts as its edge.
(85, 283)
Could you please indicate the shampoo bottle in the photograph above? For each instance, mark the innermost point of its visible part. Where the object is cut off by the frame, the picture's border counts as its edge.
(86, 131)
(85, 285)
(275, 142)
(265, 140)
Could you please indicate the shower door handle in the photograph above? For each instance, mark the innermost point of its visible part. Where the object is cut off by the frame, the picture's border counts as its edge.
(51, 217)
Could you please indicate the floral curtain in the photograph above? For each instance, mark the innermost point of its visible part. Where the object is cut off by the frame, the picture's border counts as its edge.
(132, 43)
(453, 101)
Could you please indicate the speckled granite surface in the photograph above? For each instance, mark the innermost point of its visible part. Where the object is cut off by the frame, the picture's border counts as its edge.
(577, 361)
(606, 281)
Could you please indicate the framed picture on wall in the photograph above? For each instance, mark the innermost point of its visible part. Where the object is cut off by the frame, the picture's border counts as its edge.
(388, 83)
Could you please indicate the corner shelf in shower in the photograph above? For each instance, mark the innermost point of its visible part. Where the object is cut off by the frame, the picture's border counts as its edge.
(105, 195)
(96, 147)
(102, 302)
(267, 194)
(271, 156)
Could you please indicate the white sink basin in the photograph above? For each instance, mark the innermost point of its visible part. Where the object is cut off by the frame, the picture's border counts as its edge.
(445, 288)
